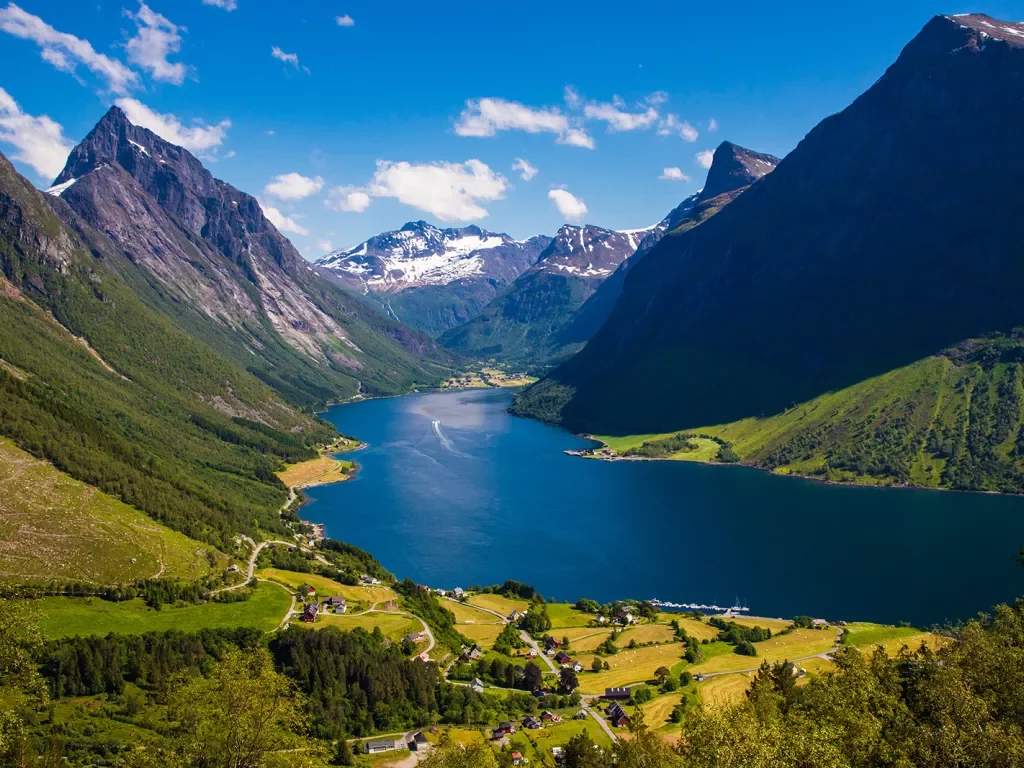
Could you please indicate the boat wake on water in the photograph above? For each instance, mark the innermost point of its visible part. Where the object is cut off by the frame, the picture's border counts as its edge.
(446, 442)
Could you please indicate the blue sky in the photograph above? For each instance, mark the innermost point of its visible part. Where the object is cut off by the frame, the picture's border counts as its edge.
(350, 117)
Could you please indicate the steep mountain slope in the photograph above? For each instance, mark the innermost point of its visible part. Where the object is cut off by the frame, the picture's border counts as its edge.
(890, 233)
(733, 169)
(433, 279)
(115, 395)
(522, 325)
(202, 252)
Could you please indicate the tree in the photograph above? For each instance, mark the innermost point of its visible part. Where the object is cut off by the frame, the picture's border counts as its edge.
(568, 680)
(343, 753)
(565, 643)
(582, 752)
(533, 678)
(645, 749)
(746, 648)
(236, 717)
(596, 665)
(21, 643)
(662, 673)
(448, 754)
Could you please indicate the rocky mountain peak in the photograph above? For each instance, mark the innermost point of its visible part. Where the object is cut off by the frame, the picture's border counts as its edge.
(734, 167)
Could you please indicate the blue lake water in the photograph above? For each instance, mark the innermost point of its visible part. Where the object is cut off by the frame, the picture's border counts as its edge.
(452, 491)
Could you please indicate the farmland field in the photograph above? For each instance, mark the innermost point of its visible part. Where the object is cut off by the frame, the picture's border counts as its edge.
(775, 625)
(866, 636)
(627, 667)
(319, 471)
(53, 527)
(646, 633)
(797, 644)
(498, 603)
(657, 710)
(467, 614)
(563, 615)
(725, 690)
(694, 627)
(395, 626)
(327, 587)
(483, 635)
(70, 616)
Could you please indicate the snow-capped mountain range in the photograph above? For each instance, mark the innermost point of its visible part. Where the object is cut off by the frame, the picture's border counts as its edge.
(420, 254)
(589, 251)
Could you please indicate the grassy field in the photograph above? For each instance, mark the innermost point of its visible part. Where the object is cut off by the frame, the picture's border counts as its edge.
(657, 710)
(327, 587)
(55, 527)
(627, 667)
(395, 626)
(725, 690)
(558, 736)
(865, 636)
(775, 625)
(483, 635)
(563, 615)
(646, 633)
(498, 603)
(70, 616)
(795, 645)
(467, 614)
(318, 471)
(693, 627)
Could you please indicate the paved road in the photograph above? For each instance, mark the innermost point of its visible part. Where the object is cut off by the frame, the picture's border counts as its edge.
(252, 564)
(533, 644)
(600, 720)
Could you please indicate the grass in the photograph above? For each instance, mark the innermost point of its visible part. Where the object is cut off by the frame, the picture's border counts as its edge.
(913, 642)
(467, 614)
(725, 690)
(53, 527)
(628, 667)
(319, 471)
(564, 615)
(866, 636)
(694, 627)
(394, 626)
(499, 603)
(775, 625)
(559, 735)
(70, 616)
(657, 710)
(795, 645)
(646, 633)
(327, 587)
(483, 635)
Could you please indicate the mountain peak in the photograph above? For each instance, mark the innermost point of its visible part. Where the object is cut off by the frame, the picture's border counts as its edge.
(734, 167)
(985, 27)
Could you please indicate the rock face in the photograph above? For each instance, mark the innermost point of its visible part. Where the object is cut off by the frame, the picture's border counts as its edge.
(430, 278)
(891, 232)
(524, 324)
(229, 274)
(733, 169)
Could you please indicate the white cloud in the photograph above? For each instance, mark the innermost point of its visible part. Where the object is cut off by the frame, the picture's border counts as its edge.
(671, 125)
(37, 141)
(705, 158)
(198, 138)
(673, 174)
(712, 125)
(227, 5)
(345, 21)
(325, 246)
(293, 186)
(620, 120)
(485, 117)
(65, 51)
(575, 137)
(450, 191)
(572, 97)
(287, 58)
(230, 154)
(156, 39)
(348, 199)
(281, 221)
(526, 170)
(570, 206)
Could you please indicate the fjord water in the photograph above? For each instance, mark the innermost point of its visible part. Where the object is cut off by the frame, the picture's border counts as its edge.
(452, 491)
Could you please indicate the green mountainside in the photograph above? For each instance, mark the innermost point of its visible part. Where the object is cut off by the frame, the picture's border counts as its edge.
(954, 420)
(117, 396)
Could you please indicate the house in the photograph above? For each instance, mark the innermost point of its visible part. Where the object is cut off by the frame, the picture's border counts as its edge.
(617, 716)
(413, 638)
(458, 594)
(698, 678)
(417, 742)
(518, 759)
(532, 654)
(310, 612)
(616, 693)
(368, 581)
(307, 591)
(440, 592)
(601, 619)
(477, 684)
(514, 617)
(626, 617)
(550, 642)
(557, 753)
(531, 722)
(376, 747)
(233, 568)
(577, 667)
(820, 623)
(562, 657)
(581, 715)
(504, 729)
(337, 603)
(550, 717)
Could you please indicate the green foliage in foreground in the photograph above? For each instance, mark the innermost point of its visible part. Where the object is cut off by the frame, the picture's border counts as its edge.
(421, 602)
